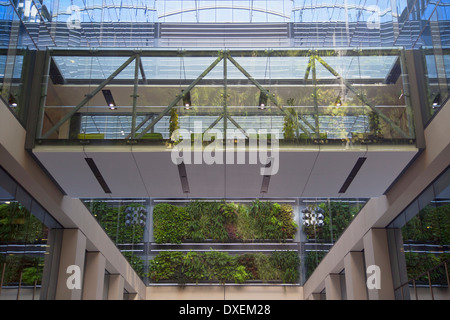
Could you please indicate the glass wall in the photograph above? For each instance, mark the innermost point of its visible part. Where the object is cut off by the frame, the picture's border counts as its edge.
(16, 60)
(332, 97)
(425, 239)
(324, 220)
(126, 223)
(24, 232)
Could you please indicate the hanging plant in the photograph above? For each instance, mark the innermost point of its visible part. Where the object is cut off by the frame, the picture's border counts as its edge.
(289, 124)
(173, 124)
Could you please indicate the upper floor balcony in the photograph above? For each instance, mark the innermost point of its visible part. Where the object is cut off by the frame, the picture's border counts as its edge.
(320, 116)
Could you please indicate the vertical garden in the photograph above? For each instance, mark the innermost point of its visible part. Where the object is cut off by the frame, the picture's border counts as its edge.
(224, 222)
(22, 239)
(426, 239)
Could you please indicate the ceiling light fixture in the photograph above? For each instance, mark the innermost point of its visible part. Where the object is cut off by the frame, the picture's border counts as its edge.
(109, 99)
(437, 101)
(187, 100)
(262, 101)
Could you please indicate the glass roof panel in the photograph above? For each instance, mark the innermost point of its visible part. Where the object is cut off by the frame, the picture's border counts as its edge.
(189, 68)
(79, 68)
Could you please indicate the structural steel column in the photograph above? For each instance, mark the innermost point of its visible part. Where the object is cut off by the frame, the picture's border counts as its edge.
(355, 276)
(333, 287)
(94, 276)
(376, 253)
(73, 252)
(116, 286)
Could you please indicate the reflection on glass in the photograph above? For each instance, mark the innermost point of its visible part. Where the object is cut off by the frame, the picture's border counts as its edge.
(125, 223)
(323, 223)
(302, 90)
(426, 236)
(23, 240)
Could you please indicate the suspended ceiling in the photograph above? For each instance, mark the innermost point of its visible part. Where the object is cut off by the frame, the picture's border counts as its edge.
(144, 171)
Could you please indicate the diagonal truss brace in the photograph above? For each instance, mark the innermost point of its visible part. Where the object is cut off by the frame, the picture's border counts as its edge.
(271, 97)
(88, 97)
(175, 101)
(362, 98)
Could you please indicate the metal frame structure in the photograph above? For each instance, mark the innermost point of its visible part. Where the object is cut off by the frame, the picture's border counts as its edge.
(225, 56)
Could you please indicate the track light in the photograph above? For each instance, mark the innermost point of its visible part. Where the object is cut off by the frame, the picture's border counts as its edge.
(12, 101)
(262, 101)
(338, 102)
(187, 100)
(437, 101)
(109, 99)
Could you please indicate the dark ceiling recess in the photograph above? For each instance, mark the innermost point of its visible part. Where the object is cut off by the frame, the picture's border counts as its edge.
(97, 174)
(109, 98)
(352, 174)
(183, 177)
(266, 180)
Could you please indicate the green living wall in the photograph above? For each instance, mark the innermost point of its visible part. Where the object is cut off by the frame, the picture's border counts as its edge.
(19, 227)
(215, 266)
(224, 222)
(430, 227)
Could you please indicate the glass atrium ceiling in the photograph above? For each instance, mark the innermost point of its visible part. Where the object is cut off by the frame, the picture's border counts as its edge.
(189, 68)
(228, 23)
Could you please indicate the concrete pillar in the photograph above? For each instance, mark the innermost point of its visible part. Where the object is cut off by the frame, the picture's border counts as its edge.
(133, 296)
(94, 276)
(116, 285)
(333, 287)
(376, 254)
(315, 296)
(71, 264)
(355, 276)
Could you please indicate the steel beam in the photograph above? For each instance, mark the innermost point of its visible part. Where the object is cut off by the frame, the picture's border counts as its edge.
(364, 99)
(261, 88)
(88, 97)
(135, 94)
(175, 101)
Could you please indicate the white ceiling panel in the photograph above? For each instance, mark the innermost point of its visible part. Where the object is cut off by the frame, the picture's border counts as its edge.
(143, 172)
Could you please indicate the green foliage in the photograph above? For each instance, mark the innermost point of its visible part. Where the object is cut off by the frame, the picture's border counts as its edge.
(30, 267)
(418, 264)
(312, 260)
(288, 262)
(165, 266)
(215, 266)
(432, 224)
(169, 223)
(374, 124)
(173, 122)
(221, 221)
(289, 124)
(265, 268)
(18, 225)
(272, 220)
(113, 218)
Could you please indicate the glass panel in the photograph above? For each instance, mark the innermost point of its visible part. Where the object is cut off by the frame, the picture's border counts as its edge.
(425, 238)
(342, 99)
(324, 220)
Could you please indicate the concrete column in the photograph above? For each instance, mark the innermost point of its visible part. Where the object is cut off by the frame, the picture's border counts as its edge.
(376, 254)
(132, 296)
(116, 285)
(333, 287)
(94, 276)
(355, 276)
(71, 265)
(315, 296)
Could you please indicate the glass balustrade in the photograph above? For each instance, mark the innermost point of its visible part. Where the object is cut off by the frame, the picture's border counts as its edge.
(298, 97)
